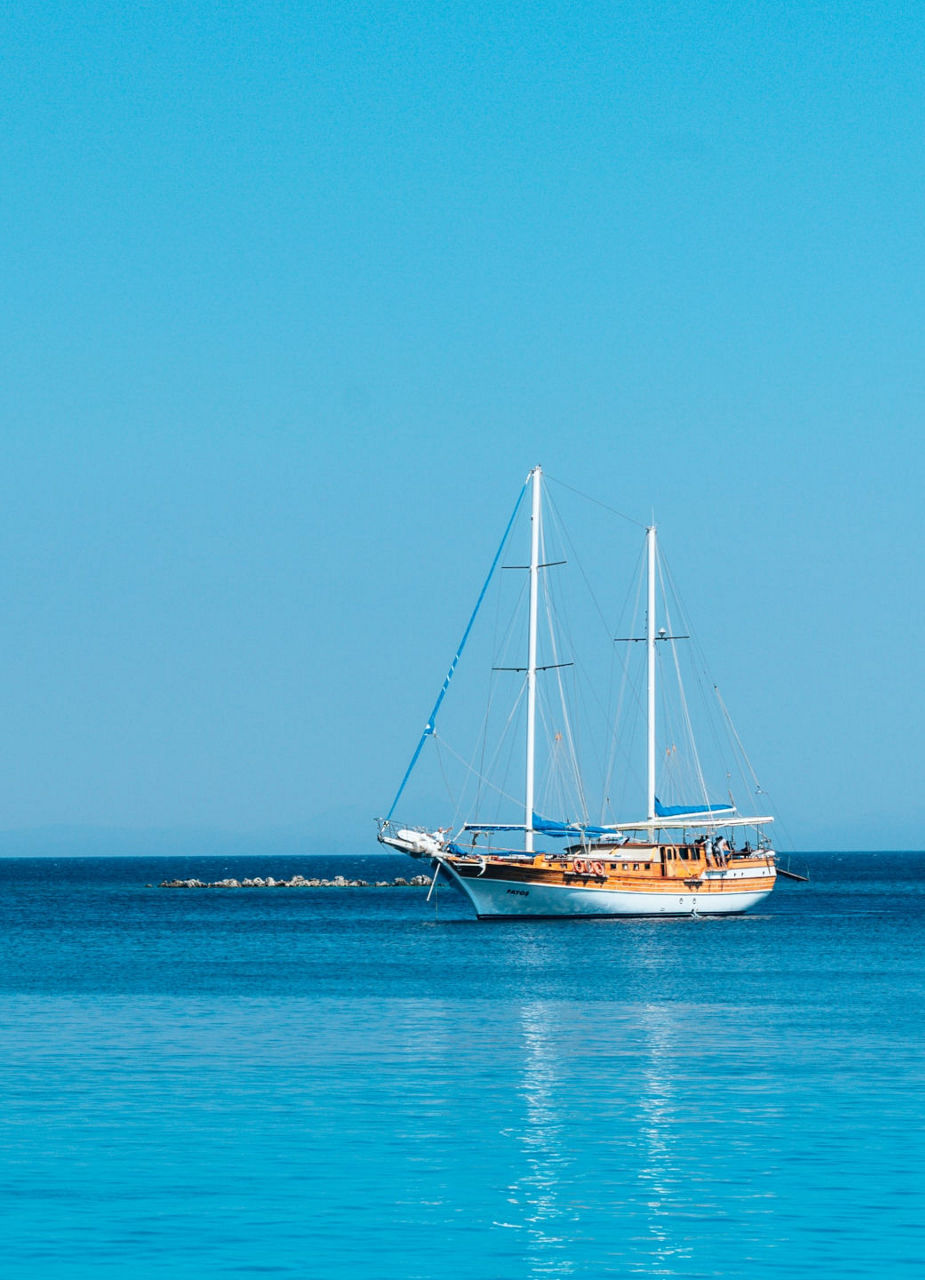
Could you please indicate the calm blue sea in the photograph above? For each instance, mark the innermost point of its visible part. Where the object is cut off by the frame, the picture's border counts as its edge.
(344, 1083)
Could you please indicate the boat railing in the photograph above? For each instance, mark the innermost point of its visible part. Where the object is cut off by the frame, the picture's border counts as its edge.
(391, 827)
(489, 850)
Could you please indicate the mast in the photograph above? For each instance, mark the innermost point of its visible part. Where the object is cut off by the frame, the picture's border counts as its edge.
(650, 673)
(531, 659)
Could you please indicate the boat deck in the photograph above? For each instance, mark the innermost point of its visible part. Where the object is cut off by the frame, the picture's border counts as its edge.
(643, 867)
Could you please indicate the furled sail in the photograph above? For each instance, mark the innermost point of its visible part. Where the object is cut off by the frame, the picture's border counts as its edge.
(569, 829)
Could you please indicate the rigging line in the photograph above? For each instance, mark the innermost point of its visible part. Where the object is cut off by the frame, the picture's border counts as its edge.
(557, 788)
(482, 740)
(592, 685)
(560, 625)
(580, 686)
(500, 745)
(729, 751)
(735, 735)
(562, 620)
(569, 737)
(429, 726)
(499, 648)
(514, 745)
(700, 664)
(742, 763)
(611, 762)
(484, 769)
(550, 770)
(736, 764)
(481, 744)
(788, 838)
(566, 537)
(686, 724)
(734, 745)
(479, 749)
(555, 791)
(446, 782)
(630, 755)
(455, 754)
(665, 718)
(637, 577)
(625, 741)
(556, 766)
(683, 695)
(572, 749)
(615, 727)
(597, 502)
(486, 772)
(502, 650)
(723, 745)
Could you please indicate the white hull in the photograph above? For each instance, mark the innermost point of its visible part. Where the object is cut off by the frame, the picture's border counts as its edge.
(500, 898)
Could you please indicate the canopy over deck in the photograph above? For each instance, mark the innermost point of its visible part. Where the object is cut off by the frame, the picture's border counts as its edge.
(562, 830)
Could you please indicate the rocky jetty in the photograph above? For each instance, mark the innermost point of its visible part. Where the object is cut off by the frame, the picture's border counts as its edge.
(297, 882)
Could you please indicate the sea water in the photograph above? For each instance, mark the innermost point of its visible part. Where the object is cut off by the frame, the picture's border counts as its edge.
(354, 1082)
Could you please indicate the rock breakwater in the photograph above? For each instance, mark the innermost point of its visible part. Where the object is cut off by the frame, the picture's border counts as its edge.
(297, 882)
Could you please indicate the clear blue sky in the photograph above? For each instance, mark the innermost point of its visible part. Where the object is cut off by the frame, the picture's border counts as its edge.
(294, 295)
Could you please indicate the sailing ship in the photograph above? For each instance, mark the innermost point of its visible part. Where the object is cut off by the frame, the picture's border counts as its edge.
(677, 860)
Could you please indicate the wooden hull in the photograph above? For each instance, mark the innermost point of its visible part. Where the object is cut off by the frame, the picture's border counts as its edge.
(514, 890)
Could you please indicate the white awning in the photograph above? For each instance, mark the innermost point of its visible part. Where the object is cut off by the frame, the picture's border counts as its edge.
(677, 824)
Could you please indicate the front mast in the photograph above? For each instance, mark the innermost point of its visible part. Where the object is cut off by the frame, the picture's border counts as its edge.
(531, 660)
(650, 681)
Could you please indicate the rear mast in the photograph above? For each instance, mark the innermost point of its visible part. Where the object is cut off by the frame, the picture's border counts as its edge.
(531, 660)
(650, 674)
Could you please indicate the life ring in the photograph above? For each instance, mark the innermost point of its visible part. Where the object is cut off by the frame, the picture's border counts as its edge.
(579, 866)
(597, 869)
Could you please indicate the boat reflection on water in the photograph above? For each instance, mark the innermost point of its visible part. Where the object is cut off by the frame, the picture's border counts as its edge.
(626, 1088)
(638, 1215)
(549, 1219)
(660, 1173)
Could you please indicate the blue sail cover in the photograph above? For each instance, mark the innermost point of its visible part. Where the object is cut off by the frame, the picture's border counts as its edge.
(568, 830)
(688, 810)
